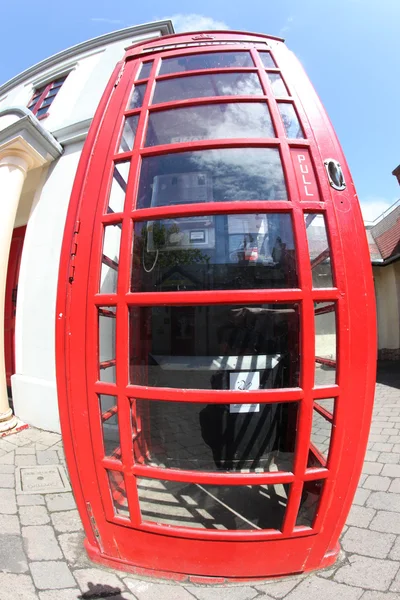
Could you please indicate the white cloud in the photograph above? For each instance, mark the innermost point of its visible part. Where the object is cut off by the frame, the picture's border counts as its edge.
(287, 26)
(194, 22)
(373, 207)
(104, 20)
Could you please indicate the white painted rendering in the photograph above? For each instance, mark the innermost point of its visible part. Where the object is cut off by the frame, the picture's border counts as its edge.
(387, 288)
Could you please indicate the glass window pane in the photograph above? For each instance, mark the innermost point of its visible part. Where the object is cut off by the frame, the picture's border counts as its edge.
(290, 121)
(109, 422)
(137, 95)
(118, 187)
(47, 102)
(201, 86)
(220, 507)
(225, 174)
(110, 259)
(145, 70)
(321, 434)
(215, 437)
(41, 111)
(277, 84)
(267, 60)
(214, 252)
(209, 347)
(319, 251)
(207, 60)
(107, 327)
(310, 499)
(210, 121)
(118, 493)
(325, 343)
(128, 134)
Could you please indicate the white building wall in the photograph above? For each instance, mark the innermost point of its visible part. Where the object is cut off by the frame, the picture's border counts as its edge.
(387, 287)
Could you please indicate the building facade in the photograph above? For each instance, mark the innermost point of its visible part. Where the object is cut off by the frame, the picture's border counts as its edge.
(45, 115)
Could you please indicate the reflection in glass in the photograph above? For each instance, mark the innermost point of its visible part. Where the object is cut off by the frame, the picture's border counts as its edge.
(325, 343)
(208, 347)
(218, 507)
(210, 122)
(318, 248)
(213, 437)
(206, 60)
(277, 84)
(310, 499)
(109, 422)
(322, 425)
(110, 259)
(107, 328)
(214, 252)
(118, 493)
(267, 60)
(128, 133)
(145, 70)
(211, 175)
(137, 95)
(118, 187)
(290, 121)
(201, 86)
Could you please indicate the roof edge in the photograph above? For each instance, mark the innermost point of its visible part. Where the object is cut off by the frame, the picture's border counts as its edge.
(166, 27)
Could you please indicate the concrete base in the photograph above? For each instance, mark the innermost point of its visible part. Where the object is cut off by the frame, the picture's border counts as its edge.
(35, 402)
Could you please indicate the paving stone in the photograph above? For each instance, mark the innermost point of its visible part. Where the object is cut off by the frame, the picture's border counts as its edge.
(21, 438)
(395, 486)
(391, 470)
(51, 575)
(48, 438)
(41, 543)
(379, 596)
(25, 460)
(361, 496)
(7, 469)
(7, 480)
(382, 447)
(73, 549)
(376, 482)
(12, 555)
(7, 459)
(24, 450)
(146, 590)
(314, 588)
(16, 587)
(395, 587)
(9, 524)
(62, 501)
(8, 505)
(372, 468)
(279, 588)
(359, 516)
(6, 445)
(384, 501)
(367, 543)
(367, 573)
(47, 457)
(29, 499)
(40, 447)
(395, 551)
(389, 458)
(66, 521)
(69, 594)
(223, 592)
(34, 515)
(97, 583)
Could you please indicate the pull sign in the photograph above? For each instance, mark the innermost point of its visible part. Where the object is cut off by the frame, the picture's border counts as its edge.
(305, 178)
(335, 174)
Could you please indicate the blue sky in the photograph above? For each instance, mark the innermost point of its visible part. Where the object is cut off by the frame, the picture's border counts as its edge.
(349, 48)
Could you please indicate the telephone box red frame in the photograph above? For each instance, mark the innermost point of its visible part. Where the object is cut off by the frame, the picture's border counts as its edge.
(172, 552)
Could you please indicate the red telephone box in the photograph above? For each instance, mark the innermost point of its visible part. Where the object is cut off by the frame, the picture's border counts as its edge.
(216, 330)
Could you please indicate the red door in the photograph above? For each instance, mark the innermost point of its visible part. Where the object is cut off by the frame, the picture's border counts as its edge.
(216, 331)
(14, 261)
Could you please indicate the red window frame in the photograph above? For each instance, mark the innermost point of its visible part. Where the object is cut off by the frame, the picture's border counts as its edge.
(42, 94)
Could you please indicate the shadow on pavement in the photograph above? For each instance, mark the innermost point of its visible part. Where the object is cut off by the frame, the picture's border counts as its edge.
(388, 373)
(98, 591)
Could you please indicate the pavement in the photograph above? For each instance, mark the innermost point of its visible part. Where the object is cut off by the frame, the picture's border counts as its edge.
(41, 536)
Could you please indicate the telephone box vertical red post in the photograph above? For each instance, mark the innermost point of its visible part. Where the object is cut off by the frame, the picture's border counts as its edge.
(216, 339)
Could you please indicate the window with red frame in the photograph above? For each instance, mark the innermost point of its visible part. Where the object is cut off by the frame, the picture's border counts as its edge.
(44, 96)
